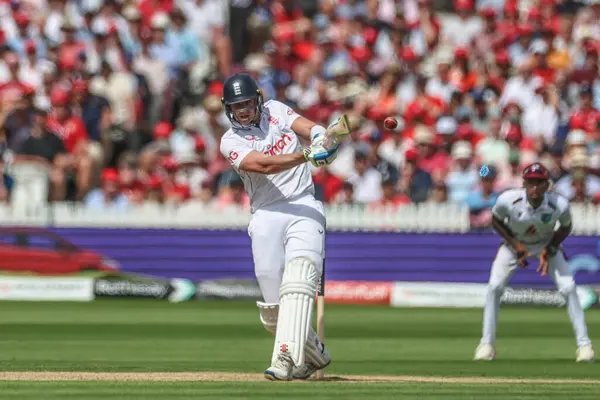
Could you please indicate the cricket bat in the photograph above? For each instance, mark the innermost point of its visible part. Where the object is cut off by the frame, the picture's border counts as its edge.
(336, 132)
(321, 314)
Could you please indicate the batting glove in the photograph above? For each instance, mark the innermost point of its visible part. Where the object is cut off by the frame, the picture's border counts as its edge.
(319, 156)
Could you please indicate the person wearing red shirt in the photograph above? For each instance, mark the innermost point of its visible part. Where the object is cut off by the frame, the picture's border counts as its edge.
(586, 115)
(154, 192)
(70, 48)
(431, 160)
(328, 184)
(539, 63)
(148, 8)
(424, 107)
(391, 198)
(13, 89)
(174, 192)
(466, 132)
(71, 130)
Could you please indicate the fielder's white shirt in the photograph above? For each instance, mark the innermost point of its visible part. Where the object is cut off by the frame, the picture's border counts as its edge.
(273, 136)
(532, 227)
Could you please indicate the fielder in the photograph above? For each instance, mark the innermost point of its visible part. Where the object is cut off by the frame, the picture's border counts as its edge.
(526, 220)
(287, 228)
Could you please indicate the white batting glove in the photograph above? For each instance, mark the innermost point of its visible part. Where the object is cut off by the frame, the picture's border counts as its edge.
(319, 156)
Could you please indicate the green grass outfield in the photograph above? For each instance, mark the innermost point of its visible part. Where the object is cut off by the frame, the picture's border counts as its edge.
(212, 340)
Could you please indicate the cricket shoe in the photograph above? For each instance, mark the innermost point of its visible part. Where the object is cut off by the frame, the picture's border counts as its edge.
(281, 370)
(312, 365)
(585, 353)
(485, 352)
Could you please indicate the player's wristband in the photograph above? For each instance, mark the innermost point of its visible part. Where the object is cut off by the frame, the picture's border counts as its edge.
(552, 250)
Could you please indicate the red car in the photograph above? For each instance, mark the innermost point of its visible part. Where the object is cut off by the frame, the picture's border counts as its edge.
(43, 252)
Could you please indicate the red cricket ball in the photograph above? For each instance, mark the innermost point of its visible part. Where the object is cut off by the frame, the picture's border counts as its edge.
(390, 123)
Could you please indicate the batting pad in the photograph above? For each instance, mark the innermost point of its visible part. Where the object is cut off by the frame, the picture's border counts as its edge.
(296, 298)
(268, 315)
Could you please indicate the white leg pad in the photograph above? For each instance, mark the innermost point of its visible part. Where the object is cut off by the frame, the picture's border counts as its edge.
(296, 299)
(268, 315)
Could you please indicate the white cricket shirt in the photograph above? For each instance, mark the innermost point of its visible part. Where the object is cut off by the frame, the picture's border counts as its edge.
(273, 136)
(532, 227)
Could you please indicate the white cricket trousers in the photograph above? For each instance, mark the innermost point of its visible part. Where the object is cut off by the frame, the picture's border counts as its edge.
(504, 267)
(281, 232)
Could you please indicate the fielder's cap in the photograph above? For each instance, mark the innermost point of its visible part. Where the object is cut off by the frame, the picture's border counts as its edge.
(536, 171)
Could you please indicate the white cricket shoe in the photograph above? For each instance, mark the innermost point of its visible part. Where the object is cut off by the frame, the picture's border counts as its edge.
(310, 367)
(281, 370)
(485, 352)
(585, 353)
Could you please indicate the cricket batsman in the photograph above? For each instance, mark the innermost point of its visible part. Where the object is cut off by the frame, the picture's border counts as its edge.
(526, 220)
(287, 227)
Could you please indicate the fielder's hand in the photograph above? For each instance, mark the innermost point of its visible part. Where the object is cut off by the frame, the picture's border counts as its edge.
(319, 156)
(544, 261)
(522, 254)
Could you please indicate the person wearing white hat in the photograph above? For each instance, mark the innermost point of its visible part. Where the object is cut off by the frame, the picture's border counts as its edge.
(446, 129)
(464, 177)
(579, 162)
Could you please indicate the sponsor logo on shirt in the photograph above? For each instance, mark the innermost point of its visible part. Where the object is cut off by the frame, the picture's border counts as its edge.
(273, 120)
(278, 147)
(232, 156)
(531, 230)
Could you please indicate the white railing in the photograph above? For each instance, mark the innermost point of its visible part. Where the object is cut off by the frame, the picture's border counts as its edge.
(411, 218)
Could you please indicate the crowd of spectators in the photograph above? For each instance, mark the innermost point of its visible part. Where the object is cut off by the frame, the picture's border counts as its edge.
(121, 98)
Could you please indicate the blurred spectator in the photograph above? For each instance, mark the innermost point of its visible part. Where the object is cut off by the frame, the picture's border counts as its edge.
(540, 120)
(366, 180)
(462, 27)
(391, 199)
(439, 194)
(175, 191)
(414, 181)
(518, 81)
(511, 177)
(43, 146)
(129, 183)
(556, 166)
(493, 149)
(346, 195)
(481, 200)
(463, 178)
(431, 159)
(156, 72)
(393, 148)
(108, 195)
(387, 170)
(231, 192)
(327, 185)
(72, 131)
(579, 182)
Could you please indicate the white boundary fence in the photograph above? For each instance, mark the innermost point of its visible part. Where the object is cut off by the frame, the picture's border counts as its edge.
(411, 218)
